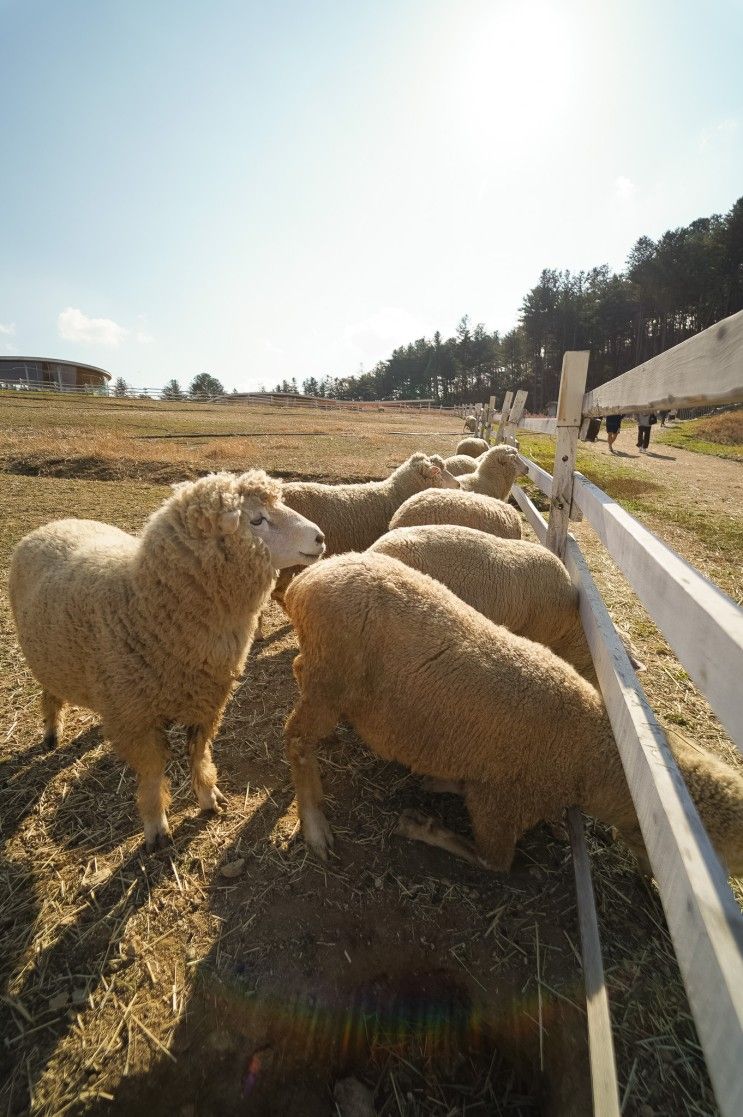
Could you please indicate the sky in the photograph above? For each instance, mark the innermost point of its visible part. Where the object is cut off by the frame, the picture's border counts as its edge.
(290, 189)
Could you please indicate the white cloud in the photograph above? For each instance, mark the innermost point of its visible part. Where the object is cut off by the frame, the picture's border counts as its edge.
(144, 338)
(269, 346)
(624, 188)
(73, 325)
(8, 330)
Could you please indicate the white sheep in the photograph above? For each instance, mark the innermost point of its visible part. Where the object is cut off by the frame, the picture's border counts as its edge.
(154, 630)
(473, 447)
(470, 424)
(496, 472)
(353, 516)
(468, 509)
(520, 585)
(427, 681)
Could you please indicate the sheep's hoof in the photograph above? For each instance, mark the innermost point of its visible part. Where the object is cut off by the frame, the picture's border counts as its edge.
(156, 834)
(317, 833)
(50, 742)
(211, 799)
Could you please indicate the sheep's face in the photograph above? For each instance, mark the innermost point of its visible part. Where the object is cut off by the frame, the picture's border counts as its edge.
(291, 539)
(223, 506)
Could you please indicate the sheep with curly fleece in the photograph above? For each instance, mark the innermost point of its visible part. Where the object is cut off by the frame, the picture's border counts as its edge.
(520, 585)
(470, 424)
(458, 464)
(427, 681)
(495, 473)
(468, 509)
(153, 630)
(473, 447)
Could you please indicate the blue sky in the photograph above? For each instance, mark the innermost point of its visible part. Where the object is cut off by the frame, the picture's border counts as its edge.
(268, 190)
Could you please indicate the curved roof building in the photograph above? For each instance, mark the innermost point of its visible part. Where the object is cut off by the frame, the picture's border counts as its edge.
(50, 372)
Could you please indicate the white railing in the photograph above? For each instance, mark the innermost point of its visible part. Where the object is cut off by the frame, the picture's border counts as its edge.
(704, 627)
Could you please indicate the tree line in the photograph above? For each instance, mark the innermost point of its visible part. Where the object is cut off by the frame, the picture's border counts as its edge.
(671, 288)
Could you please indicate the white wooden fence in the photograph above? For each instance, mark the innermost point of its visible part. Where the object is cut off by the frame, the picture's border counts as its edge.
(705, 629)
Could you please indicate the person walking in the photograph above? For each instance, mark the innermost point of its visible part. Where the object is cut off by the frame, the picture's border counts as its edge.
(644, 422)
(613, 424)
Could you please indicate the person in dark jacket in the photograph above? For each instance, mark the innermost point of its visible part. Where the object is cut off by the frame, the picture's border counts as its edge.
(613, 423)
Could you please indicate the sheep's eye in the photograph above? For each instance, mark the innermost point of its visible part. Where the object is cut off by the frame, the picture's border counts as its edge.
(258, 521)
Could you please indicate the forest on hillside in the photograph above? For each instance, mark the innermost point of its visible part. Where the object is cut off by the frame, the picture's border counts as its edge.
(671, 288)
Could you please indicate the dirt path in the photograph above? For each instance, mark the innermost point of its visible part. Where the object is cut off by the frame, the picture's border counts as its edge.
(715, 483)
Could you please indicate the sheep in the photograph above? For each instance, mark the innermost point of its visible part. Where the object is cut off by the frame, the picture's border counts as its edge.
(153, 630)
(470, 424)
(468, 509)
(473, 447)
(460, 463)
(495, 473)
(520, 585)
(353, 516)
(427, 681)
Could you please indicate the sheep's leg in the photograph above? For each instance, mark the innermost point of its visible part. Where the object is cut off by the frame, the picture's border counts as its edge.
(495, 822)
(53, 709)
(307, 725)
(148, 757)
(203, 771)
(421, 828)
(259, 630)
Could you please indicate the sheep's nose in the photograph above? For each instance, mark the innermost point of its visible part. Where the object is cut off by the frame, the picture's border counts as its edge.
(319, 538)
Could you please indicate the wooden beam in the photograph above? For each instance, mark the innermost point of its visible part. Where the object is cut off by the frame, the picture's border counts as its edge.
(504, 413)
(539, 425)
(704, 920)
(600, 1040)
(514, 417)
(572, 387)
(711, 360)
(530, 510)
(701, 623)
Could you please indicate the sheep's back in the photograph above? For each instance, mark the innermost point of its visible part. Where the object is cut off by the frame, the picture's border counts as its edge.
(512, 582)
(426, 679)
(447, 506)
(460, 464)
(64, 579)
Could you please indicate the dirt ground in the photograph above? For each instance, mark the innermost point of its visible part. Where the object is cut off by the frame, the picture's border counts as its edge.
(233, 974)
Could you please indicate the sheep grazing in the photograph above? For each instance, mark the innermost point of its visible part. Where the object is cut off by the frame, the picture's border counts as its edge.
(427, 681)
(520, 585)
(495, 473)
(470, 424)
(154, 630)
(460, 463)
(467, 509)
(473, 447)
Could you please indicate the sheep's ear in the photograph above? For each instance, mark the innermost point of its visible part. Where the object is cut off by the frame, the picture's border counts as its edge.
(229, 522)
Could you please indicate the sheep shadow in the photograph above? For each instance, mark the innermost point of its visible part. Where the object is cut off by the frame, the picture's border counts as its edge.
(26, 777)
(94, 945)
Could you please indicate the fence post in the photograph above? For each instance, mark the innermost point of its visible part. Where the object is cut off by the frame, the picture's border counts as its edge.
(514, 418)
(489, 427)
(504, 413)
(569, 407)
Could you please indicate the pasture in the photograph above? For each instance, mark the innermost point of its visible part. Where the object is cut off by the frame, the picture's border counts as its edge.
(232, 972)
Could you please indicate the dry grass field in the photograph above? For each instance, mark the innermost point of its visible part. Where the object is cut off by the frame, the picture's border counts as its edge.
(232, 973)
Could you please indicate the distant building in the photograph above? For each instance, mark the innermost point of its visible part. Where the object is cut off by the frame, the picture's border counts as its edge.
(50, 372)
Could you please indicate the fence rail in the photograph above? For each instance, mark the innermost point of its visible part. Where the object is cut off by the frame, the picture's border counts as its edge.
(705, 629)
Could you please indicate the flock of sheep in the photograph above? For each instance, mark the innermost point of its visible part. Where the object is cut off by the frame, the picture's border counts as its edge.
(449, 643)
